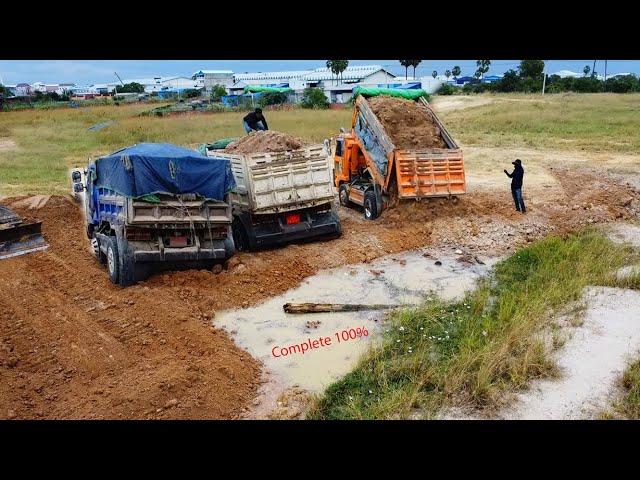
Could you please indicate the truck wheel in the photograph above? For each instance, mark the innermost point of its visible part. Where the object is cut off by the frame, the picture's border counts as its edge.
(95, 248)
(126, 264)
(370, 206)
(113, 262)
(343, 195)
(239, 236)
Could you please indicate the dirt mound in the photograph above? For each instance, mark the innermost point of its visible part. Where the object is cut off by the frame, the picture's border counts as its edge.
(406, 123)
(265, 141)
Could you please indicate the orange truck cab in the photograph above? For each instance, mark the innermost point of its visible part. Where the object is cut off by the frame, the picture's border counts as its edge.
(371, 172)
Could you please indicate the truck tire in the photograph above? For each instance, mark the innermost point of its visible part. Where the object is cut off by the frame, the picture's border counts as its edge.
(113, 260)
(240, 238)
(126, 265)
(343, 195)
(370, 206)
(95, 248)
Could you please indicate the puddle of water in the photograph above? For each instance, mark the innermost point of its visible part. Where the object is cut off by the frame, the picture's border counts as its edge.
(398, 279)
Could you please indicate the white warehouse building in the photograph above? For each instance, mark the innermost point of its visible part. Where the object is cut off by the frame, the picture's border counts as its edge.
(336, 90)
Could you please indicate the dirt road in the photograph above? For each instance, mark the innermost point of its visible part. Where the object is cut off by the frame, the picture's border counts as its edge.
(75, 346)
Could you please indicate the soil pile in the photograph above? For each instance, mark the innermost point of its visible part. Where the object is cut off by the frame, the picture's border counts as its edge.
(265, 141)
(406, 123)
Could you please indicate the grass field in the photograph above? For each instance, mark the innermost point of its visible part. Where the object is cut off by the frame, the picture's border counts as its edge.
(469, 352)
(48, 142)
(594, 122)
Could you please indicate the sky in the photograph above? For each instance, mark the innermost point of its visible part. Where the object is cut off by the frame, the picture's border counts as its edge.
(86, 72)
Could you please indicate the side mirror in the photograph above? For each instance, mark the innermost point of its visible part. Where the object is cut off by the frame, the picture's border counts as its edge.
(76, 176)
(78, 187)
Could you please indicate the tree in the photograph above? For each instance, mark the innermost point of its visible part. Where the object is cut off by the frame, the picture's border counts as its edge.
(217, 92)
(434, 74)
(456, 71)
(406, 64)
(132, 87)
(483, 67)
(314, 98)
(337, 67)
(586, 70)
(531, 68)
(447, 73)
(414, 64)
(510, 82)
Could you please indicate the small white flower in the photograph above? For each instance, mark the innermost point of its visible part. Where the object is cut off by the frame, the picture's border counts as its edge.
(401, 329)
(350, 397)
(370, 391)
(421, 328)
(484, 332)
(447, 337)
(446, 331)
(398, 341)
(468, 306)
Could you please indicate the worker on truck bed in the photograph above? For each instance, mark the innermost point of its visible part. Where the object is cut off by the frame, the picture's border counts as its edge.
(516, 185)
(254, 121)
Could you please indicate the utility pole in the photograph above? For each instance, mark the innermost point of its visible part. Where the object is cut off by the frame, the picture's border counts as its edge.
(544, 77)
(593, 70)
(605, 76)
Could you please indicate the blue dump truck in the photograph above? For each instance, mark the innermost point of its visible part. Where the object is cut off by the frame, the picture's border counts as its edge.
(156, 206)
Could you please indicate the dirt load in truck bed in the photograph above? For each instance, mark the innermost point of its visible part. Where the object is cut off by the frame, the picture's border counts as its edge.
(406, 123)
(265, 141)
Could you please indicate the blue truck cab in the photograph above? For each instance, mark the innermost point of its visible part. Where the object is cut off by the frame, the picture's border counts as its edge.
(156, 207)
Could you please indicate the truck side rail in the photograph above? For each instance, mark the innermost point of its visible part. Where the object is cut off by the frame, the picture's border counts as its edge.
(281, 181)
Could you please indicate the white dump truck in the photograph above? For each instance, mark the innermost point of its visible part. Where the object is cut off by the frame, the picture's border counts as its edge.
(281, 197)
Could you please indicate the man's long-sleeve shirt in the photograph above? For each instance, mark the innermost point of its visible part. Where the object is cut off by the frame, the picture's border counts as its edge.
(516, 176)
(253, 118)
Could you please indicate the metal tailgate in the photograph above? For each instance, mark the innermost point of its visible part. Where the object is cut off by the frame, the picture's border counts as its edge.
(430, 173)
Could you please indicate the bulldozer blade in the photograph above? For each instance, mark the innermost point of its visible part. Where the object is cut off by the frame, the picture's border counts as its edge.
(20, 239)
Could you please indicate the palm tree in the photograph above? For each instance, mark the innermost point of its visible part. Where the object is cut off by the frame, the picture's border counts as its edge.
(434, 74)
(406, 64)
(483, 67)
(586, 70)
(414, 64)
(456, 72)
(447, 73)
(340, 66)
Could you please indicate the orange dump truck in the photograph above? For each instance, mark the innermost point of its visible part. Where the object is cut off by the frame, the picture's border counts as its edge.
(370, 171)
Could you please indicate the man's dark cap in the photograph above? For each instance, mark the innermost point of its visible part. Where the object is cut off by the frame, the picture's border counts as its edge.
(516, 162)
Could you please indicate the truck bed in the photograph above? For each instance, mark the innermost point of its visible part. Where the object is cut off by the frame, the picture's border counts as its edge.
(431, 172)
(269, 183)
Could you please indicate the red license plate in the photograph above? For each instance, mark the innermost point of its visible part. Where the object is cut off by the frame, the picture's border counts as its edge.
(178, 241)
(292, 218)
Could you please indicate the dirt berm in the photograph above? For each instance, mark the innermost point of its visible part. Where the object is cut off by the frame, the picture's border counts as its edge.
(406, 123)
(265, 141)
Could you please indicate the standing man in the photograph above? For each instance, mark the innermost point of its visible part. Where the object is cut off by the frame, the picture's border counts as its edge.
(516, 185)
(254, 121)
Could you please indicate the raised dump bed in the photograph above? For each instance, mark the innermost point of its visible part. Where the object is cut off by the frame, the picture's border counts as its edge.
(397, 149)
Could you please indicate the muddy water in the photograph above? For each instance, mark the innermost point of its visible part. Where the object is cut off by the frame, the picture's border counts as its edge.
(398, 279)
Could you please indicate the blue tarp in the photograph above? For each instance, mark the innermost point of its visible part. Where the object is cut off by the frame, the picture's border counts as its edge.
(148, 168)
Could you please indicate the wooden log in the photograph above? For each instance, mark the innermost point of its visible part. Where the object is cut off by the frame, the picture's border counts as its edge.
(333, 307)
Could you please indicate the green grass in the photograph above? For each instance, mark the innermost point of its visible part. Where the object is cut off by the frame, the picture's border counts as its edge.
(594, 122)
(629, 406)
(50, 141)
(470, 352)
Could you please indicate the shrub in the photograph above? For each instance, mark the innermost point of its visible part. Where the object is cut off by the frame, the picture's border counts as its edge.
(314, 98)
(446, 89)
(272, 98)
(217, 92)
